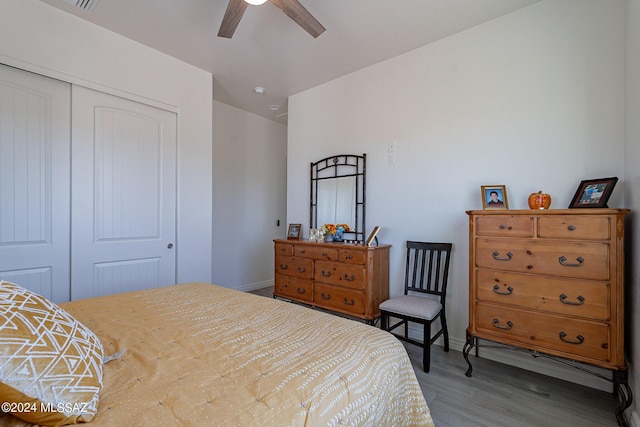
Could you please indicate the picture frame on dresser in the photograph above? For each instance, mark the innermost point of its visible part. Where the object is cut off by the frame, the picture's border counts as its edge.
(494, 197)
(372, 236)
(593, 193)
(294, 231)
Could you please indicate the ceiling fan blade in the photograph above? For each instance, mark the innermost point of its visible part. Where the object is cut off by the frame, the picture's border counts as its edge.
(235, 10)
(300, 15)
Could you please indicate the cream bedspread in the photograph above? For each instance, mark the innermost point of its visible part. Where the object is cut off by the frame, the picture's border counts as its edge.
(200, 354)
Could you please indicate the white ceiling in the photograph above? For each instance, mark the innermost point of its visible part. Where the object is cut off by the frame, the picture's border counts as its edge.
(268, 49)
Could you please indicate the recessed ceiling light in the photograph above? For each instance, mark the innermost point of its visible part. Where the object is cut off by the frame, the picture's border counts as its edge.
(259, 90)
(274, 107)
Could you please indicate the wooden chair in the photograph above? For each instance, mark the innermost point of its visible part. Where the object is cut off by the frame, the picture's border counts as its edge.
(425, 291)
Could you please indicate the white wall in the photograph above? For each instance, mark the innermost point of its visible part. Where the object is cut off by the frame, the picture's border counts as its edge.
(249, 196)
(533, 100)
(632, 197)
(39, 38)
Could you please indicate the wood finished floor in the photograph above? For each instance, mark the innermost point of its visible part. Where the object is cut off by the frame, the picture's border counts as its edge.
(499, 395)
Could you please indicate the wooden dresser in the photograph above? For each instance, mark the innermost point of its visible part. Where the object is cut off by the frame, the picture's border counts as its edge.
(344, 278)
(550, 281)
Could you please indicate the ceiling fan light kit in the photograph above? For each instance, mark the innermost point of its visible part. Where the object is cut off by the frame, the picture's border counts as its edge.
(292, 8)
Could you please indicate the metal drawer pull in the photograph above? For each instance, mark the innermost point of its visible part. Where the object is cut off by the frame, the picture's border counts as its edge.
(302, 290)
(284, 266)
(496, 289)
(302, 251)
(328, 296)
(563, 261)
(302, 269)
(346, 301)
(349, 279)
(564, 335)
(563, 299)
(496, 323)
(349, 257)
(325, 273)
(571, 227)
(324, 254)
(496, 256)
(504, 227)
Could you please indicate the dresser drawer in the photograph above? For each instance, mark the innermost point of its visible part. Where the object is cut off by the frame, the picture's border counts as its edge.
(339, 299)
(283, 249)
(504, 226)
(572, 227)
(352, 256)
(314, 252)
(294, 266)
(348, 275)
(589, 260)
(291, 287)
(545, 331)
(562, 296)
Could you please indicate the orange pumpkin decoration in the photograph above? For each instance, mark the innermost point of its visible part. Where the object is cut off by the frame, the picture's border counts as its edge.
(539, 200)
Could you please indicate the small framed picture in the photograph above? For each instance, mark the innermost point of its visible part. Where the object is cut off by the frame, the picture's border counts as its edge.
(372, 236)
(494, 197)
(294, 232)
(593, 193)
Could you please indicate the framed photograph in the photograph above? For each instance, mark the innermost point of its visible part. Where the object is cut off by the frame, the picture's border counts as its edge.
(294, 232)
(494, 197)
(593, 193)
(372, 236)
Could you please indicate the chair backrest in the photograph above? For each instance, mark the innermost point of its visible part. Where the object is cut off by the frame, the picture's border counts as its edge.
(427, 268)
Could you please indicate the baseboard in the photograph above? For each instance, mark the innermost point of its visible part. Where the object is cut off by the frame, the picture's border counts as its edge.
(254, 286)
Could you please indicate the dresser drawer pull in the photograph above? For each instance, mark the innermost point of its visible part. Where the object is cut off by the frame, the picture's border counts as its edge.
(302, 251)
(496, 323)
(346, 301)
(349, 257)
(496, 256)
(326, 297)
(496, 289)
(563, 337)
(324, 254)
(504, 227)
(302, 269)
(325, 273)
(563, 299)
(284, 266)
(571, 227)
(349, 279)
(302, 290)
(563, 261)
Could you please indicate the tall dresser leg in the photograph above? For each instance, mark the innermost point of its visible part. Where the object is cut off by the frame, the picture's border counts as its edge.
(465, 352)
(621, 387)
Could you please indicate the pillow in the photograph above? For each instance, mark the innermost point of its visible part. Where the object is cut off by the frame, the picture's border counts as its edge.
(50, 364)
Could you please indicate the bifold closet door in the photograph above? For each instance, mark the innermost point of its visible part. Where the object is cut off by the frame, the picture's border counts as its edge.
(35, 122)
(123, 199)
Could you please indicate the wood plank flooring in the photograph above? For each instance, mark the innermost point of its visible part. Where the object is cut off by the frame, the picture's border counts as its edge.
(499, 395)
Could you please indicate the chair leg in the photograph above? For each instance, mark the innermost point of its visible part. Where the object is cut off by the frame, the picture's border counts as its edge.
(426, 348)
(445, 331)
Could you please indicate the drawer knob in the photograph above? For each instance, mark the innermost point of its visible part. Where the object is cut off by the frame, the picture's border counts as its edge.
(497, 257)
(302, 251)
(349, 279)
(326, 297)
(284, 266)
(563, 261)
(346, 301)
(324, 254)
(302, 290)
(496, 323)
(497, 290)
(325, 273)
(571, 227)
(302, 269)
(563, 337)
(505, 227)
(349, 256)
(563, 299)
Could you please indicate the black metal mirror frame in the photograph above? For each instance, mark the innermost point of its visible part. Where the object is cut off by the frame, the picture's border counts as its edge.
(339, 166)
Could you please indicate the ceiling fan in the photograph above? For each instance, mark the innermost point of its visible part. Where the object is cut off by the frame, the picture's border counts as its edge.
(293, 8)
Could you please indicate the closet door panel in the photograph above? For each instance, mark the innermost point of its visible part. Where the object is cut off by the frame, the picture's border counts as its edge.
(35, 182)
(124, 195)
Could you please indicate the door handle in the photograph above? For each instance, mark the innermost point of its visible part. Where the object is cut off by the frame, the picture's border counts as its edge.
(170, 246)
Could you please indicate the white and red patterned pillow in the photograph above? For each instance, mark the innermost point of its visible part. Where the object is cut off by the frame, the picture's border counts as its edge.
(50, 363)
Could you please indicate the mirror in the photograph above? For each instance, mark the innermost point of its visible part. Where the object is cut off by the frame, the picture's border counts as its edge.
(338, 193)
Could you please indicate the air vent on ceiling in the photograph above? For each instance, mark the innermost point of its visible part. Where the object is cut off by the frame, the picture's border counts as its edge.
(87, 5)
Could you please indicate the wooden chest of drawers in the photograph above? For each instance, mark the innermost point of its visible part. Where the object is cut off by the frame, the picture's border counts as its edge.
(550, 281)
(344, 278)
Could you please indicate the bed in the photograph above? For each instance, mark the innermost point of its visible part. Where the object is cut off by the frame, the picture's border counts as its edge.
(200, 354)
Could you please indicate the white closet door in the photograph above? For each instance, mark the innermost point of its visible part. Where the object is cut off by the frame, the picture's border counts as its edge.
(34, 182)
(123, 196)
